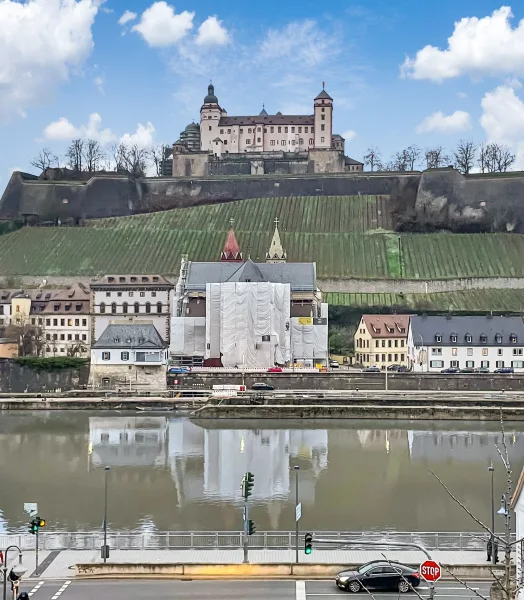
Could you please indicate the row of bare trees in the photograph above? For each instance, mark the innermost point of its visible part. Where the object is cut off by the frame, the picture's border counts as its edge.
(90, 156)
(489, 158)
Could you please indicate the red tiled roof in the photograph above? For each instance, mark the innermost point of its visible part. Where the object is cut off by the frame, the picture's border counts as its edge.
(386, 326)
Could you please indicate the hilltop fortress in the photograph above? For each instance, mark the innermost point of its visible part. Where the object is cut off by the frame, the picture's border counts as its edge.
(428, 201)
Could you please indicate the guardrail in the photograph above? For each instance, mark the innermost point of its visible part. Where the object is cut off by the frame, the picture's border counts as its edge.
(230, 540)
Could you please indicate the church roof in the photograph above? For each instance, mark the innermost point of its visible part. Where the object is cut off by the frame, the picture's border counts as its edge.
(276, 252)
(323, 96)
(231, 249)
(263, 113)
(248, 271)
(278, 119)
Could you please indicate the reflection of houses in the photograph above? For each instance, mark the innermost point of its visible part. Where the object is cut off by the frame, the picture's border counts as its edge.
(128, 441)
(461, 445)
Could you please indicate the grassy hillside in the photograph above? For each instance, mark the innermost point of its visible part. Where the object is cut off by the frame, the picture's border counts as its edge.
(348, 237)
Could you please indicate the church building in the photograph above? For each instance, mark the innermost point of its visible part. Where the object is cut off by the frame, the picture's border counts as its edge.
(236, 312)
(263, 143)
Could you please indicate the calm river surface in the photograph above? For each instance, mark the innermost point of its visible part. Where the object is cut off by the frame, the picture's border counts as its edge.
(169, 473)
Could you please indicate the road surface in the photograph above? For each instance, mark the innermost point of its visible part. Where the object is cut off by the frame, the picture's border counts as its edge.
(221, 590)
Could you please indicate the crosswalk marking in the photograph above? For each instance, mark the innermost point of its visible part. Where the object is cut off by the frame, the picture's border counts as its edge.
(301, 590)
(36, 588)
(61, 591)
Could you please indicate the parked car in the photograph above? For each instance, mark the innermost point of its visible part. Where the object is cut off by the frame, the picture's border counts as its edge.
(393, 367)
(334, 364)
(274, 370)
(450, 370)
(379, 575)
(504, 370)
(260, 385)
(467, 370)
(176, 370)
(482, 370)
(371, 370)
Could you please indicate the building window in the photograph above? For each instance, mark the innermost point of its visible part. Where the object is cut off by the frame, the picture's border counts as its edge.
(513, 338)
(84, 337)
(292, 130)
(517, 364)
(436, 364)
(498, 338)
(436, 351)
(159, 307)
(323, 109)
(470, 351)
(124, 307)
(453, 352)
(119, 294)
(321, 139)
(113, 308)
(102, 307)
(322, 128)
(499, 351)
(229, 130)
(106, 355)
(148, 307)
(484, 364)
(62, 322)
(77, 322)
(131, 294)
(249, 129)
(470, 364)
(484, 351)
(499, 364)
(310, 141)
(62, 349)
(301, 141)
(469, 339)
(280, 130)
(77, 337)
(454, 364)
(272, 129)
(142, 294)
(248, 141)
(259, 130)
(438, 338)
(453, 338)
(124, 355)
(312, 130)
(283, 142)
(517, 351)
(300, 130)
(292, 142)
(210, 128)
(221, 131)
(69, 337)
(305, 129)
(137, 307)
(108, 294)
(84, 322)
(285, 129)
(55, 322)
(33, 321)
(259, 140)
(272, 142)
(323, 117)
(225, 142)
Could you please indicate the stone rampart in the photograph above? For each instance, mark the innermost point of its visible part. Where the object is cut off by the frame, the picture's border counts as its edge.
(15, 378)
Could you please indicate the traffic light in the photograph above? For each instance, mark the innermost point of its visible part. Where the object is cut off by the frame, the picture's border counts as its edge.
(247, 484)
(251, 529)
(35, 524)
(308, 543)
(41, 522)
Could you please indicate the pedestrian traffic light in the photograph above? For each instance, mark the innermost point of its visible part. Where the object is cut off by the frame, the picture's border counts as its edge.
(247, 484)
(251, 529)
(308, 543)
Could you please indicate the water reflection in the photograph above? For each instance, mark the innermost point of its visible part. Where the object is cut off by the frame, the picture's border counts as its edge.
(170, 473)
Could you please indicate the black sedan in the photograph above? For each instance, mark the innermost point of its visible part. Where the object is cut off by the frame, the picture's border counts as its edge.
(379, 575)
(261, 386)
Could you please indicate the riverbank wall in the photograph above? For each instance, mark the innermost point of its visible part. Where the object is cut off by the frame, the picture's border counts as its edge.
(16, 378)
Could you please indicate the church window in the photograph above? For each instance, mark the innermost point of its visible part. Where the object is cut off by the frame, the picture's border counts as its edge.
(300, 130)
(221, 131)
(285, 129)
(292, 130)
(301, 141)
(259, 140)
(305, 129)
(280, 130)
(310, 141)
(272, 130)
(321, 139)
(283, 142)
(322, 127)
(272, 142)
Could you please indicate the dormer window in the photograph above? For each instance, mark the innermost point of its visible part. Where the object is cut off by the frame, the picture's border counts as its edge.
(145, 279)
(454, 338)
(498, 338)
(141, 340)
(155, 279)
(122, 279)
(133, 279)
(438, 338)
(110, 279)
(513, 338)
(483, 338)
(116, 340)
(469, 338)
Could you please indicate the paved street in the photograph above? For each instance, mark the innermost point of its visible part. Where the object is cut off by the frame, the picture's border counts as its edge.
(220, 590)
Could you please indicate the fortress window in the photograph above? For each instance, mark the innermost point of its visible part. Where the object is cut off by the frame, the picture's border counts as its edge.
(272, 129)
(221, 131)
(272, 142)
(310, 141)
(280, 130)
(102, 307)
(323, 117)
(283, 142)
(321, 139)
(305, 129)
(292, 130)
(285, 129)
(137, 307)
(248, 142)
(249, 130)
(259, 140)
(322, 128)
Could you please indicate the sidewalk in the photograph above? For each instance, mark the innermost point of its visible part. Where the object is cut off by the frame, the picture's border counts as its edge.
(58, 564)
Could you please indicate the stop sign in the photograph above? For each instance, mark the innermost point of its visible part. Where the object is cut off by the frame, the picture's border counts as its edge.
(430, 570)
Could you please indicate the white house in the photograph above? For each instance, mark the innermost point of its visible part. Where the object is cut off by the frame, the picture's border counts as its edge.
(131, 300)
(436, 343)
(129, 355)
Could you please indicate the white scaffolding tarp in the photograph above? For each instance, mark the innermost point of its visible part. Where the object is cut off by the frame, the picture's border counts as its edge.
(188, 336)
(309, 337)
(248, 323)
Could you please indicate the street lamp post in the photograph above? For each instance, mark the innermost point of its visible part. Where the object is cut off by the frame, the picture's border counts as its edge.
(17, 570)
(106, 472)
(491, 469)
(297, 468)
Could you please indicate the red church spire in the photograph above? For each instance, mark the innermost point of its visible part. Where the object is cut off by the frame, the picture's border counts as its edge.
(231, 251)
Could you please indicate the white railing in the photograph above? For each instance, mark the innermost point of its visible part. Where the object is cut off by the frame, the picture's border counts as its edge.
(230, 540)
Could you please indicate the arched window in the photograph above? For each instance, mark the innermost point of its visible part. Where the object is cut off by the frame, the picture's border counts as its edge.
(159, 307)
(113, 308)
(102, 307)
(148, 307)
(137, 307)
(124, 307)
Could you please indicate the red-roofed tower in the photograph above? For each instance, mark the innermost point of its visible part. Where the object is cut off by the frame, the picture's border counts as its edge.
(231, 251)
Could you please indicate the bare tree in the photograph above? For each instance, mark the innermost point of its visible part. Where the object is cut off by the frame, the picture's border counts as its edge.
(45, 160)
(75, 155)
(372, 159)
(464, 156)
(412, 154)
(495, 158)
(136, 160)
(435, 157)
(93, 155)
(158, 155)
(504, 158)
(30, 337)
(399, 162)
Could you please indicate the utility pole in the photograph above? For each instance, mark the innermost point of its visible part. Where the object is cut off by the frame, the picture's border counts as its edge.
(298, 512)
(105, 549)
(248, 481)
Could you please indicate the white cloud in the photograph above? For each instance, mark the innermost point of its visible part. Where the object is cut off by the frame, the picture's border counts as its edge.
(477, 47)
(349, 135)
(503, 116)
(126, 17)
(438, 122)
(300, 41)
(462, 95)
(160, 26)
(99, 83)
(41, 43)
(143, 136)
(64, 130)
(212, 33)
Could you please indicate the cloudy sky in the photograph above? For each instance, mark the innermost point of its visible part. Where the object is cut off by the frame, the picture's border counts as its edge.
(400, 71)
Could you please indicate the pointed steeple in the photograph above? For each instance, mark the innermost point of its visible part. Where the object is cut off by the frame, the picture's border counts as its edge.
(231, 251)
(276, 253)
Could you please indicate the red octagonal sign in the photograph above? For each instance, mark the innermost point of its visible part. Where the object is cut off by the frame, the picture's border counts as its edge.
(430, 570)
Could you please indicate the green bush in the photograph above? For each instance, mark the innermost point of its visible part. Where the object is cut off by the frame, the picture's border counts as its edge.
(51, 364)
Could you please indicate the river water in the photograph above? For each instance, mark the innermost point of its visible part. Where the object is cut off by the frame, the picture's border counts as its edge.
(169, 473)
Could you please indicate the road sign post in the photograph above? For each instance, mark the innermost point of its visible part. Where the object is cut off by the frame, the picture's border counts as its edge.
(430, 570)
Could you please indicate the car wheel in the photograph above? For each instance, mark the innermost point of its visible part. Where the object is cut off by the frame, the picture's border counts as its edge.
(354, 586)
(403, 586)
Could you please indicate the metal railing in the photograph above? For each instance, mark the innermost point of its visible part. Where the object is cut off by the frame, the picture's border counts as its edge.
(232, 540)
